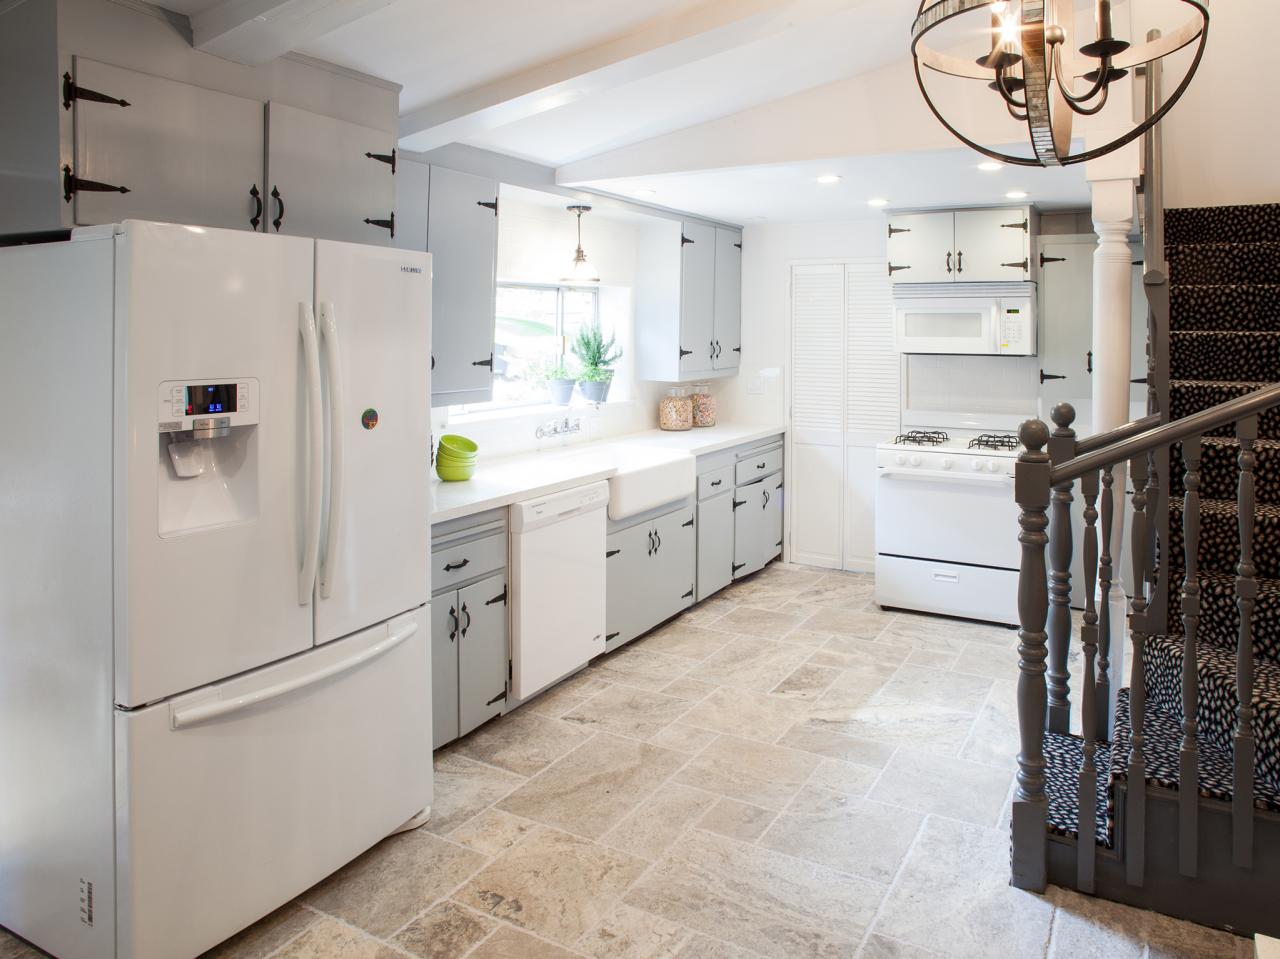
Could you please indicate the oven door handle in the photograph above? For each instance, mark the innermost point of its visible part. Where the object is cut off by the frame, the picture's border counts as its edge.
(948, 475)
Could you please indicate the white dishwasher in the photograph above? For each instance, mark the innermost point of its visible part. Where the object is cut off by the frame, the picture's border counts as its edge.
(557, 586)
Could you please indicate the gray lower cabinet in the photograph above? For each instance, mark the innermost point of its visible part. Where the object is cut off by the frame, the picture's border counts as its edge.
(482, 651)
(649, 574)
(739, 512)
(715, 544)
(444, 669)
(757, 524)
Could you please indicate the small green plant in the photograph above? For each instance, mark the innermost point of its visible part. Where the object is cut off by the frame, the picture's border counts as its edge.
(595, 374)
(596, 354)
(542, 371)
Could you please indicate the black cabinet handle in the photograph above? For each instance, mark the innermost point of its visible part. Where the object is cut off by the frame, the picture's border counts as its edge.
(388, 158)
(960, 261)
(467, 613)
(761, 466)
(450, 567)
(433, 361)
(387, 224)
(453, 634)
(658, 537)
(275, 195)
(689, 523)
(1050, 376)
(257, 213)
(948, 262)
(716, 482)
(497, 699)
(765, 504)
(72, 184)
(1088, 367)
(488, 362)
(650, 542)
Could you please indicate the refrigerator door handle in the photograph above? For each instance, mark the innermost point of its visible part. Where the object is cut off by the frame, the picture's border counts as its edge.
(205, 712)
(337, 464)
(315, 453)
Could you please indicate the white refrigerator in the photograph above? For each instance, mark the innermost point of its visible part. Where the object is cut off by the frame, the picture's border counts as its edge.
(215, 521)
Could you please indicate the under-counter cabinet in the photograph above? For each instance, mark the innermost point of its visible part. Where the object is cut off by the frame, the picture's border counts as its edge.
(963, 246)
(469, 650)
(148, 148)
(649, 572)
(739, 512)
(462, 237)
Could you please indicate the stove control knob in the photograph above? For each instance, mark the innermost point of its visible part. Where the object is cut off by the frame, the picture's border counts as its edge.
(900, 459)
(915, 461)
(946, 463)
(992, 465)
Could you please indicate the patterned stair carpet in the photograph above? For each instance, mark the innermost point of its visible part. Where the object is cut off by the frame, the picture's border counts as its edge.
(1224, 272)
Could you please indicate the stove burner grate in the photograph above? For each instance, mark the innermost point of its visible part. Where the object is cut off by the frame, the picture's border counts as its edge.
(921, 438)
(994, 441)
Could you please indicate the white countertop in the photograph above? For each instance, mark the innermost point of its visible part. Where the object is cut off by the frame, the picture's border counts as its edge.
(503, 481)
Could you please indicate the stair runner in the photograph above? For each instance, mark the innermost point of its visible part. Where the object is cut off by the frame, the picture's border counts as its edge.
(1224, 266)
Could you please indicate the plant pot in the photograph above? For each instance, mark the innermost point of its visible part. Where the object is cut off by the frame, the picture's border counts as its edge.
(560, 391)
(595, 391)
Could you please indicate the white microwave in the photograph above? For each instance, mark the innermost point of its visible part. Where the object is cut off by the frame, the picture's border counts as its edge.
(988, 325)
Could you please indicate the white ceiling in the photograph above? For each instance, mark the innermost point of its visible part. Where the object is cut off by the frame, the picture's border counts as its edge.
(789, 192)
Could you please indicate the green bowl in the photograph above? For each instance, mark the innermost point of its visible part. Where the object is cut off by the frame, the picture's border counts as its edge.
(458, 445)
(444, 456)
(454, 474)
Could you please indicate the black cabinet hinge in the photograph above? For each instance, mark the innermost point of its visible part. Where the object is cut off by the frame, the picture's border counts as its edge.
(898, 229)
(489, 205)
(388, 158)
(737, 349)
(500, 598)
(1016, 226)
(778, 544)
(1050, 376)
(735, 567)
(72, 184)
(488, 362)
(609, 636)
(690, 523)
(739, 502)
(389, 224)
(684, 239)
(894, 269)
(498, 698)
(71, 91)
(684, 352)
(609, 553)
(738, 245)
(1020, 264)
(1051, 259)
(688, 595)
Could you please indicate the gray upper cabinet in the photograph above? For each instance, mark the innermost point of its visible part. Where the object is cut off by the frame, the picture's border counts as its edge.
(184, 154)
(328, 178)
(413, 185)
(462, 236)
(482, 651)
(920, 247)
(697, 297)
(963, 246)
(727, 328)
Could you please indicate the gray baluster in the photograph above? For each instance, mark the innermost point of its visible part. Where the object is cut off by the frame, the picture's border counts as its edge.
(1086, 846)
(1246, 598)
(1189, 756)
(1136, 804)
(1032, 479)
(1062, 447)
(1105, 717)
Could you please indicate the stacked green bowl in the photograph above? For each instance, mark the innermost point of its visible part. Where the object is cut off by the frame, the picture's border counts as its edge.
(456, 458)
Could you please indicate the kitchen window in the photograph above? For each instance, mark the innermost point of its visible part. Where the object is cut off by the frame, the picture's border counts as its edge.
(535, 326)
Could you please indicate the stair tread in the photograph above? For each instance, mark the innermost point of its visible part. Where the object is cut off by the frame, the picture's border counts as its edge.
(1219, 539)
(1064, 755)
(1189, 396)
(1219, 617)
(1224, 306)
(1222, 223)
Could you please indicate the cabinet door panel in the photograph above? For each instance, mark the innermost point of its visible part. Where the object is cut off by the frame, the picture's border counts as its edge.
(697, 296)
(186, 154)
(1065, 322)
(412, 183)
(771, 524)
(462, 237)
(482, 651)
(748, 529)
(627, 555)
(988, 241)
(920, 246)
(675, 560)
(727, 328)
(444, 669)
(715, 545)
(327, 185)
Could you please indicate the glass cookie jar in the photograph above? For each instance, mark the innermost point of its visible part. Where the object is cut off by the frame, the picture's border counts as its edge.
(704, 405)
(675, 410)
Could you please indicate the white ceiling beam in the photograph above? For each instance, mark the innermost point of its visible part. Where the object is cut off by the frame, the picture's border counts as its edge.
(663, 44)
(255, 31)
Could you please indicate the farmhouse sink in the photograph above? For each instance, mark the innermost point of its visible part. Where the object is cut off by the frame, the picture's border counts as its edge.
(647, 477)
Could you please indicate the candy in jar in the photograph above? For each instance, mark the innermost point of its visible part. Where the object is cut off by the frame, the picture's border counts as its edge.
(704, 405)
(675, 410)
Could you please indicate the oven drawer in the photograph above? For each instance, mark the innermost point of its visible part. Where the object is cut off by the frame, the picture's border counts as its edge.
(973, 592)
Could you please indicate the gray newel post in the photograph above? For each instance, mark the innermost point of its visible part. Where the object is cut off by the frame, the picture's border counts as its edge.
(1062, 447)
(1032, 478)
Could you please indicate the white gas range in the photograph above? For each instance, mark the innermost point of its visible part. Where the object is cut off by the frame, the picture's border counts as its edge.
(947, 524)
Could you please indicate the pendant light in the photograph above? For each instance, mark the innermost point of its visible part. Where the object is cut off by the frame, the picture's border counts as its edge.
(580, 271)
(1032, 70)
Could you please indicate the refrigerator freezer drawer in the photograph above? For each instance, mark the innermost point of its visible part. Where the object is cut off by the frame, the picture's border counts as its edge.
(235, 798)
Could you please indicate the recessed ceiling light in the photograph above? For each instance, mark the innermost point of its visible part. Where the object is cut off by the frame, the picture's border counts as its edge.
(828, 178)
(645, 194)
(1016, 195)
(990, 166)
(877, 201)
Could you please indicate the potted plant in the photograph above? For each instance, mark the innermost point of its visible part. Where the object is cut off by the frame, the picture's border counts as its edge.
(597, 356)
(560, 382)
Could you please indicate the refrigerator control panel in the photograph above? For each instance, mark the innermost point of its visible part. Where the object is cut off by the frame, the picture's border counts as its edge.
(186, 404)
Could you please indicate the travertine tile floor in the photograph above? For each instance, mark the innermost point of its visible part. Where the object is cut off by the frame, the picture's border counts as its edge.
(785, 772)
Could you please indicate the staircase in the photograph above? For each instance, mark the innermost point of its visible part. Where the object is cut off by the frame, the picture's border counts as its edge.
(1177, 787)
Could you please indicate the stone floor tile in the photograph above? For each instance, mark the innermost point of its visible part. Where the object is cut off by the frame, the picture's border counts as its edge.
(840, 592)
(866, 624)
(594, 787)
(464, 787)
(1088, 928)
(446, 931)
(659, 821)
(750, 663)
(627, 711)
(552, 884)
(491, 832)
(851, 779)
(708, 611)
(257, 942)
(940, 632)
(939, 784)
(508, 943)
(329, 939)
(981, 659)
(704, 947)
(681, 638)
(806, 683)
(566, 694)
(880, 947)
(394, 881)
(933, 658)
(682, 738)
(919, 685)
(773, 904)
(751, 772)
(755, 715)
(523, 742)
(932, 728)
(628, 933)
(994, 738)
(1170, 938)
(851, 690)
(847, 833)
(773, 586)
(636, 665)
(737, 820)
(690, 690)
(804, 637)
(863, 651)
(817, 736)
(954, 890)
(12, 947)
(755, 621)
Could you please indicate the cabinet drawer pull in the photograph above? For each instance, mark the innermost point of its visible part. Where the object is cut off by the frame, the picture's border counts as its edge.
(658, 537)
(948, 261)
(498, 698)
(765, 504)
(450, 567)
(716, 482)
(689, 523)
(651, 547)
(960, 261)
